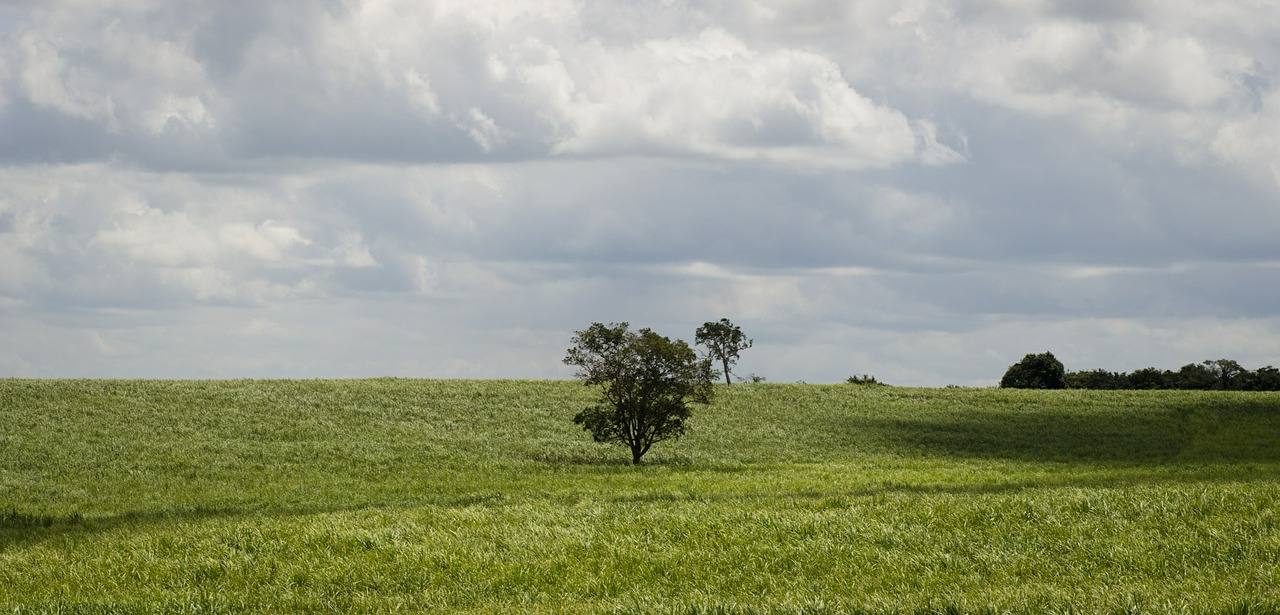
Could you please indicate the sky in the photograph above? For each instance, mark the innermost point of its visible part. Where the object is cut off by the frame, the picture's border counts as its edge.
(921, 190)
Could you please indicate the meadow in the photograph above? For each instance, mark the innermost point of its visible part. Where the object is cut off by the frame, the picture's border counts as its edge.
(394, 495)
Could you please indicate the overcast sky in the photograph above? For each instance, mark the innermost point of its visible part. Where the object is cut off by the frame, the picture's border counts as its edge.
(921, 190)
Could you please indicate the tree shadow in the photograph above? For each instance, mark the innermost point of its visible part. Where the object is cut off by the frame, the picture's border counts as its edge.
(610, 458)
(572, 458)
(1206, 428)
(19, 528)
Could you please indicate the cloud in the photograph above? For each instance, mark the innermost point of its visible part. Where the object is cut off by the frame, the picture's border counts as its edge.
(712, 95)
(72, 237)
(1065, 67)
(921, 190)
(445, 81)
(1250, 141)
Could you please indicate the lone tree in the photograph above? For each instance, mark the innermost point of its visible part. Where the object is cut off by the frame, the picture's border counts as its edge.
(1035, 371)
(646, 384)
(723, 340)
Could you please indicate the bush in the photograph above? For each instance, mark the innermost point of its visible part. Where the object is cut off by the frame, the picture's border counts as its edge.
(864, 379)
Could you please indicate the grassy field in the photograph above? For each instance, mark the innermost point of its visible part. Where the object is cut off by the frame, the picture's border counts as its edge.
(391, 495)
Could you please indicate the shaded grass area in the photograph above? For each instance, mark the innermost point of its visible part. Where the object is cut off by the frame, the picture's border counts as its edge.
(1097, 426)
(464, 496)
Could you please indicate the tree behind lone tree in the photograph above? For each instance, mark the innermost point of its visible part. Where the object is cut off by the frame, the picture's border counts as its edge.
(723, 340)
(646, 384)
(1035, 371)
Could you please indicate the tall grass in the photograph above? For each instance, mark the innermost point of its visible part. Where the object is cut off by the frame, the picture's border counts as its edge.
(482, 496)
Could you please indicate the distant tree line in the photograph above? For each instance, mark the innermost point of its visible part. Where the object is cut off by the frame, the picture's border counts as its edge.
(1044, 371)
(1216, 375)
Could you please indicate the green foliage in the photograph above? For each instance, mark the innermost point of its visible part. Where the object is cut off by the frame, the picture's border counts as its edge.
(1196, 377)
(863, 379)
(1215, 375)
(1035, 371)
(724, 340)
(1149, 378)
(392, 495)
(1263, 379)
(1227, 374)
(646, 384)
(1098, 379)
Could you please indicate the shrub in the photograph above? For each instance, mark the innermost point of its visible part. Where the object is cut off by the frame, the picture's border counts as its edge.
(864, 379)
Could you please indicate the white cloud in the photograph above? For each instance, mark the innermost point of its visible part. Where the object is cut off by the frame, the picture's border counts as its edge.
(750, 296)
(269, 241)
(412, 80)
(48, 80)
(1069, 67)
(105, 71)
(227, 285)
(175, 240)
(152, 236)
(351, 251)
(713, 95)
(482, 129)
(426, 276)
(88, 234)
(178, 113)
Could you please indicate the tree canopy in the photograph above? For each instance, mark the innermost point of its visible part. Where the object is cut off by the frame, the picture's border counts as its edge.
(1035, 371)
(646, 382)
(724, 340)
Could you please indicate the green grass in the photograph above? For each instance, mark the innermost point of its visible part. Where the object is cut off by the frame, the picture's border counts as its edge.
(391, 495)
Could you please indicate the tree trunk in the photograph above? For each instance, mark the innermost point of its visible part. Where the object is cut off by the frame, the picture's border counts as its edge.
(726, 370)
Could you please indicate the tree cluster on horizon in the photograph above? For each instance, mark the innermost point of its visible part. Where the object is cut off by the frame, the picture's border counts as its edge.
(1209, 375)
(1044, 371)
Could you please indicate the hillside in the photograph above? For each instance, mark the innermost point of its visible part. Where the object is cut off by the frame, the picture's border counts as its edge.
(391, 494)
